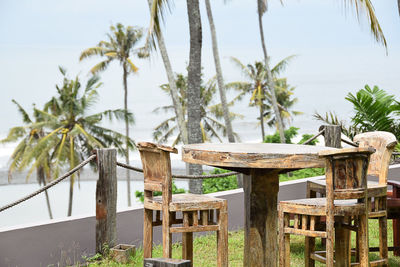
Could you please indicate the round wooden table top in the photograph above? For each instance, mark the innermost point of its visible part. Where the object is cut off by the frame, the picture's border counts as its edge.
(254, 155)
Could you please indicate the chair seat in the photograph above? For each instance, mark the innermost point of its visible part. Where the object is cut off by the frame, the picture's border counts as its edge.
(374, 188)
(317, 207)
(186, 202)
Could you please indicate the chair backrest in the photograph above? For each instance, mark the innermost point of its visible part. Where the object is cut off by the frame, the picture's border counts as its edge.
(346, 173)
(156, 164)
(384, 144)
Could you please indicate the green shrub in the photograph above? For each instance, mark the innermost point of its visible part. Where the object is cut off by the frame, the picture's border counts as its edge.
(304, 173)
(175, 190)
(219, 184)
(289, 135)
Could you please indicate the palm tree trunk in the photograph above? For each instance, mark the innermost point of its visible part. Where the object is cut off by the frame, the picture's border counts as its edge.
(172, 85)
(193, 93)
(42, 179)
(71, 194)
(220, 78)
(128, 177)
(262, 122)
(270, 81)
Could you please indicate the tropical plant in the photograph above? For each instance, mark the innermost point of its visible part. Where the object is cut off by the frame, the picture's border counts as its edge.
(70, 134)
(218, 70)
(256, 84)
(290, 133)
(171, 80)
(28, 136)
(284, 94)
(175, 190)
(361, 6)
(119, 47)
(210, 113)
(375, 110)
(261, 9)
(194, 73)
(219, 184)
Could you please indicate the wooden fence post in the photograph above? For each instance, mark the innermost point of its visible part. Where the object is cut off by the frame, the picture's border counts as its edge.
(106, 199)
(333, 135)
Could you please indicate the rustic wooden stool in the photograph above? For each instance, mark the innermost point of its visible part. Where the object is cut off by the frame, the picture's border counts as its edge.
(197, 210)
(384, 143)
(347, 201)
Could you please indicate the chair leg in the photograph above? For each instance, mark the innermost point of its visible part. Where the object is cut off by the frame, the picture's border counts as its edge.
(187, 246)
(383, 247)
(284, 240)
(342, 245)
(363, 241)
(187, 238)
(147, 233)
(396, 236)
(330, 240)
(222, 238)
(167, 236)
(309, 249)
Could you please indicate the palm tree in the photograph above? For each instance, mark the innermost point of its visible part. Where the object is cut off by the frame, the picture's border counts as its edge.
(210, 125)
(194, 73)
(218, 70)
(361, 6)
(71, 135)
(29, 137)
(286, 101)
(119, 47)
(262, 8)
(172, 84)
(257, 84)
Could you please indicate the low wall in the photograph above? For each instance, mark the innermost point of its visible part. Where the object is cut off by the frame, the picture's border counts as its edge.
(63, 242)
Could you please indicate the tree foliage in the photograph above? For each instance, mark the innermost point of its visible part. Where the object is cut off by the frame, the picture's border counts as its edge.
(374, 110)
(211, 113)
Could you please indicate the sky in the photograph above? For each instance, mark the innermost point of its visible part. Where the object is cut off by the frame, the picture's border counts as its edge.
(335, 53)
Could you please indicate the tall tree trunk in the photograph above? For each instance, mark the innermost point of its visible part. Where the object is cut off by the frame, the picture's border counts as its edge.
(193, 93)
(172, 85)
(262, 122)
(128, 177)
(71, 194)
(42, 180)
(271, 84)
(218, 70)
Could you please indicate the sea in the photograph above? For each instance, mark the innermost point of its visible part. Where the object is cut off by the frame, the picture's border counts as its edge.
(35, 211)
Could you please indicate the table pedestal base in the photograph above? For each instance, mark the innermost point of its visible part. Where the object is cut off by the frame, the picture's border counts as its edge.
(261, 218)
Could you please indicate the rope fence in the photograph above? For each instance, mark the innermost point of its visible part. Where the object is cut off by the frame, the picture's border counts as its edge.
(177, 176)
(56, 181)
(314, 137)
(123, 165)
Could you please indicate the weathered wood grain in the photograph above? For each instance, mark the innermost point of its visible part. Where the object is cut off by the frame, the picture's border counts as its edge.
(261, 223)
(158, 177)
(383, 143)
(263, 156)
(346, 191)
(106, 199)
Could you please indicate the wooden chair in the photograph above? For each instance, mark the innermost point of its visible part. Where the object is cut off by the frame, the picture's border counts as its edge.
(384, 143)
(346, 190)
(157, 177)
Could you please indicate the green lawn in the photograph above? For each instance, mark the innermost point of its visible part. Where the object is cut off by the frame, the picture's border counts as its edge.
(205, 250)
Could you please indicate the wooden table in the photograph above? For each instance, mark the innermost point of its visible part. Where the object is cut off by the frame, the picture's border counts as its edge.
(262, 164)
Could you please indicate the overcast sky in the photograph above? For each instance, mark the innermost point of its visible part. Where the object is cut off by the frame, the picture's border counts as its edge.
(336, 54)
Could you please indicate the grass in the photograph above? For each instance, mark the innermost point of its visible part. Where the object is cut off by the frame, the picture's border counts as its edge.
(205, 250)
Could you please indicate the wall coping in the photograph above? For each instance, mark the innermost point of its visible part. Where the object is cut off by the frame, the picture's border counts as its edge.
(140, 206)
